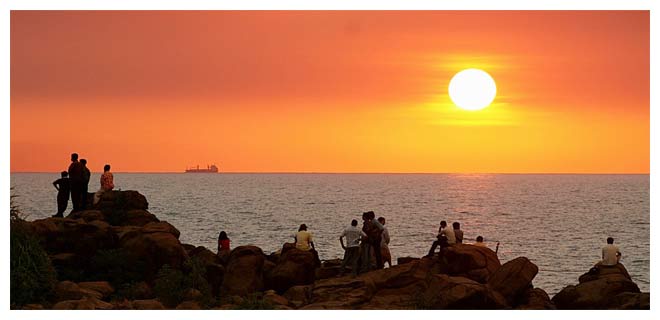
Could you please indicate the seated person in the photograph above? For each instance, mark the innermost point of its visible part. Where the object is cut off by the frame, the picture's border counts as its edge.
(610, 253)
(480, 242)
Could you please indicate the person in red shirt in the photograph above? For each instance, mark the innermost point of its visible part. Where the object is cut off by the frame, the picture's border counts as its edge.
(223, 242)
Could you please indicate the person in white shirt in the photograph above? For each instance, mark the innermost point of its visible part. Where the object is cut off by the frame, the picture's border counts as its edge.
(445, 238)
(384, 244)
(353, 235)
(611, 254)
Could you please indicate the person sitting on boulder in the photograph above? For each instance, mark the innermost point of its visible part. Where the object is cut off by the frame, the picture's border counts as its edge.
(480, 242)
(611, 253)
(107, 183)
(458, 233)
(303, 238)
(385, 244)
(63, 187)
(353, 234)
(445, 237)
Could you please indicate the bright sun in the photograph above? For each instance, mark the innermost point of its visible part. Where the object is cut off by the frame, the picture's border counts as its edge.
(472, 89)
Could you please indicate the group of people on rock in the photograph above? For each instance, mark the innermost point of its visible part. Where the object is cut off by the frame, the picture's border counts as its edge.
(75, 182)
(370, 242)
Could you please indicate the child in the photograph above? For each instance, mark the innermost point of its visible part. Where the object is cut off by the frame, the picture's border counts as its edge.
(63, 187)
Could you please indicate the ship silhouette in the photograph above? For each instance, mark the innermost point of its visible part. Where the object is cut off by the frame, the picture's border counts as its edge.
(209, 169)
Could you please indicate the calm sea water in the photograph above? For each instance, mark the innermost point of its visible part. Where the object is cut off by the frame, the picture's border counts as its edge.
(560, 222)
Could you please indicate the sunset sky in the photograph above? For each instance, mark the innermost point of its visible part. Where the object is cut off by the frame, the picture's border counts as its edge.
(305, 91)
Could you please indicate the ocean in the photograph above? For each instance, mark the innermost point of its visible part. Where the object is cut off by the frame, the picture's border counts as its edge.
(559, 222)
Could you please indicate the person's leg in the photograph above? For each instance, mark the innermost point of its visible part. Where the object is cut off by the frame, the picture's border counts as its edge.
(83, 197)
(365, 257)
(353, 260)
(378, 253)
(75, 196)
(61, 205)
(97, 196)
(435, 245)
(344, 261)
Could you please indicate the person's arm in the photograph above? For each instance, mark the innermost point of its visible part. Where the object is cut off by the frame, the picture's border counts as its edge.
(55, 184)
(386, 236)
(341, 240)
(311, 243)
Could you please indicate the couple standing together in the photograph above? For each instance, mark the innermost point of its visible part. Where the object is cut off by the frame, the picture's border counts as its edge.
(361, 245)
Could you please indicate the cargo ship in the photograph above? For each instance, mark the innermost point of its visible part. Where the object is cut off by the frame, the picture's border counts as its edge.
(209, 169)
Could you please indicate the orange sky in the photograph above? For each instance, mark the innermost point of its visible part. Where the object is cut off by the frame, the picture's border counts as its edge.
(305, 91)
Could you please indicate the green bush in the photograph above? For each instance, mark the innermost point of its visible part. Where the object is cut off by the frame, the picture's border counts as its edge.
(32, 277)
(171, 285)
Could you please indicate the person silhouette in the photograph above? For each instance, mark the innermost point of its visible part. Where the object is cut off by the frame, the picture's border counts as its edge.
(76, 178)
(63, 187)
(85, 184)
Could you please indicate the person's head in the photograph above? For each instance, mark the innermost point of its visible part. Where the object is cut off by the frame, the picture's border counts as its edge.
(64, 174)
(303, 227)
(381, 220)
(83, 161)
(354, 223)
(223, 236)
(369, 215)
(443, 224)
(74, 157)
(456, 225)
(106, 168)
(610, 240)
(480, 239)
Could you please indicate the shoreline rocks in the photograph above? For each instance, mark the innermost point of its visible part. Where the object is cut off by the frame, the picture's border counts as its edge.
(110, 257)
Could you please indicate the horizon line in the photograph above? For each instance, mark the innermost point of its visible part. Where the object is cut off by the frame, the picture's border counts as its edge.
(347, 172)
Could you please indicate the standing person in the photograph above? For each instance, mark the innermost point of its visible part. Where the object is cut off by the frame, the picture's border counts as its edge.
(304, 239)
(458, 233)
(107, 183)
(85, 184)
(76, 179)
(385, 244)
(611, 254)
(373, 229)
(353, 234)
(63, 186)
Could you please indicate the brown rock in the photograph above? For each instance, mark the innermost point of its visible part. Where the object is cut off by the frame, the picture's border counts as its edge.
(154, 249)
(60, 235)
(87, 215)
(112, 201)
(327, 272)
(67, 290)
(192, 294)
(513, 278)
(204, 255)
(445, 292)
(244, 272)
(275, 299)
(33, 306)
(189, 305)
(139, 217)
(631, 301)
(598, 292)
(536, 299)
(158, 227)
(299, 295)
(402, 260)
(150, 304)
(102, 287)
(476, 263)
(295, 267)
(86, 303)
(339, 293)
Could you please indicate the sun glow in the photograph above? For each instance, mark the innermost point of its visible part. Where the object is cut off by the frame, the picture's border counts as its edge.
(472, 89)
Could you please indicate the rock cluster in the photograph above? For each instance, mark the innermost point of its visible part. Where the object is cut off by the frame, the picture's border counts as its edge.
(463, 277)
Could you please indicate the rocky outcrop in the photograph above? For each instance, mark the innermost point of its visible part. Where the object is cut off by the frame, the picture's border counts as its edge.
(603, 287)
(535, 299)
(472, 262)
(155, 245)
(244, 272)
(63, 235)
(295, 267)
(513, 278)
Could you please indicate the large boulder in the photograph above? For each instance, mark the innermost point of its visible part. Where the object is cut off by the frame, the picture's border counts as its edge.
(599, 289)
(154, 249)
(59, 235)
(113, 201)
(446, 292)
(535, 299)
(464, 260)
(295, 267)
(148, 304)
(161, 226)
(244, 272)
(138, 217)
(513, 278)
(86, 303)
